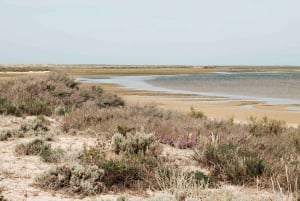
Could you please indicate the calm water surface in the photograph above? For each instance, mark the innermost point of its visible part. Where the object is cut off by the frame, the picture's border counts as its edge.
(267, 85)
(274, 88)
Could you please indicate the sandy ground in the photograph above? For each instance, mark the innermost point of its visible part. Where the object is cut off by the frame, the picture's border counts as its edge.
(241, 111)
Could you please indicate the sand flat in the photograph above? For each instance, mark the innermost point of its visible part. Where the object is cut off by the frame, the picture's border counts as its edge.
(240, 110)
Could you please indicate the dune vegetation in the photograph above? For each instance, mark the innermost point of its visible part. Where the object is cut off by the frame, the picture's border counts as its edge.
(129, 145)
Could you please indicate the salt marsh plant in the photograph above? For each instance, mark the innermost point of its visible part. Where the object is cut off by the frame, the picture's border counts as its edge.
(73, 179)
(137, 143)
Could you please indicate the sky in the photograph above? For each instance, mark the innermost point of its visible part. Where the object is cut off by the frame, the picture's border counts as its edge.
(152, 32)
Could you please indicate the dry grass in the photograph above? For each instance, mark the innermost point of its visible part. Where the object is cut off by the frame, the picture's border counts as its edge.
(254, 153)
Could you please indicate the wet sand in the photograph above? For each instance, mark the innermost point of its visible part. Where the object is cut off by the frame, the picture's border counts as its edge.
(241, 111)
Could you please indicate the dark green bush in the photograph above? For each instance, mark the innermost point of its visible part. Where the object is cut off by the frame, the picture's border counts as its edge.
(119, 173)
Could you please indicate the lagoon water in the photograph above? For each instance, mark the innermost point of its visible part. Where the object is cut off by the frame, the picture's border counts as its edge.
(273, 88)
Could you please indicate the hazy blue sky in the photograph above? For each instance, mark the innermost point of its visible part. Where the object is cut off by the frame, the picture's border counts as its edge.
(204, 32)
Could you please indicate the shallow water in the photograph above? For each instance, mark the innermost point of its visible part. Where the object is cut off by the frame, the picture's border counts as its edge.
(284, 87)
(270, 88)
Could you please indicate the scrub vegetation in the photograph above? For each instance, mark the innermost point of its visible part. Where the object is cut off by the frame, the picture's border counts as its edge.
(130, 141)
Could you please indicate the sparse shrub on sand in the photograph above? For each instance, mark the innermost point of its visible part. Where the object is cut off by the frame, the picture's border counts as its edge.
(51, 155)
(37, 125)
(5, 134)
(85, 180)
(137, 143)
(34, 147)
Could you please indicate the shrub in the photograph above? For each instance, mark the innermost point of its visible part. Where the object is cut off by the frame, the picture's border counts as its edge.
(49, 93)
(139, 143)
(50, 155)
(33, 106)
(110, 100)
(2, 198)
(34, 147)
(92, 155)
(73, 179)
(232, 163)
(36, 127)
(119, 173)
(5, 135)
(63, 110)
(265, 127)
(197, 114)
(7, 107)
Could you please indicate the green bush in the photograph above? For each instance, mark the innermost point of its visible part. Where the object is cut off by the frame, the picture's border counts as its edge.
(50, 155)
(119, 173)
(232, 163)
(34, 147)
(139, 143)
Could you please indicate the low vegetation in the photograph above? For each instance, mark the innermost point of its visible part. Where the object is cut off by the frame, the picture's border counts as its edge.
(51, 155)
(131, 140)
(45, 94)
(34, 147)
